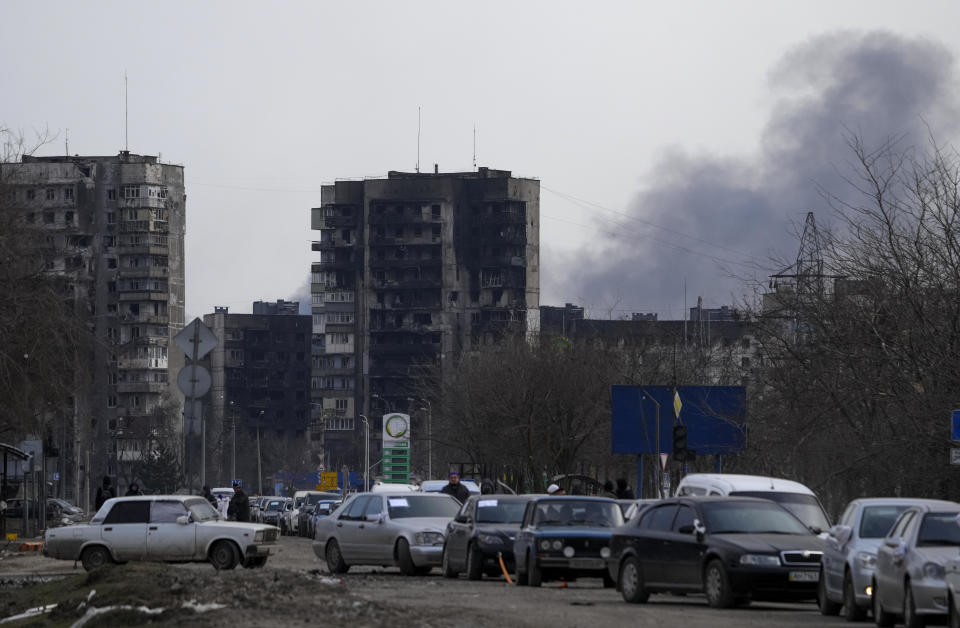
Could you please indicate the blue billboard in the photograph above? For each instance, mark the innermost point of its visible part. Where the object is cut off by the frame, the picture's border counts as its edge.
(715, 417)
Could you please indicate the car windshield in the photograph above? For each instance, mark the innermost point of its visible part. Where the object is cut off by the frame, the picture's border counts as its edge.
(422, 506)
(743, 517)
(573, 512)
(877, 520)
(939, 529)
(806, 507)
(201, 510)
(313, 498)
(499, 511)
(274, 505)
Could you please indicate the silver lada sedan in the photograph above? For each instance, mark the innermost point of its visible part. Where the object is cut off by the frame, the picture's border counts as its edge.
(162, 528)
(402, 529)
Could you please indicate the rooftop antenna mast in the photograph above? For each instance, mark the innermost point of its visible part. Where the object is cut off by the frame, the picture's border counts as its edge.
(418, 138)
(66, 143)
(474, 146)
(126, 115)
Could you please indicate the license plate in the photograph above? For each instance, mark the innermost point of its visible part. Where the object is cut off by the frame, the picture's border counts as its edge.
(804, 576)
(587, 563)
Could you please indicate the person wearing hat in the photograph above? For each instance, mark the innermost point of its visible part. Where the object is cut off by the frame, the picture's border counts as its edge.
(555, 489)
(239, 508)
(455, 489)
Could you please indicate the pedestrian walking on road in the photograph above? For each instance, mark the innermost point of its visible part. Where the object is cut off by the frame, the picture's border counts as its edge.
(133, 490)
(239, 508)
(105, 492)
(455, 489)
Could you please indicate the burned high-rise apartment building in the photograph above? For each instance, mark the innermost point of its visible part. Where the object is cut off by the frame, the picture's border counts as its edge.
(411, 270)
(113, 230)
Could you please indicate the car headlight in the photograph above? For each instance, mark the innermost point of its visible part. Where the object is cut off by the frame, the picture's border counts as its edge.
(428, 538)
(867, 560)
(490, 539)
(760, 560)
(258, 537)
(557, 545)
(604, 552)
(933, 570)
(545, 545)
(569, 552)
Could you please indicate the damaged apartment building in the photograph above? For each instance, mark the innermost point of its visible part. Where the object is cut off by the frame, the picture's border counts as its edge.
(411, 270)
(115, 230)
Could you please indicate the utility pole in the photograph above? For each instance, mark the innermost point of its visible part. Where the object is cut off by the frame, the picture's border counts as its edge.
(657, 473)
(259, 469)
(366, 453)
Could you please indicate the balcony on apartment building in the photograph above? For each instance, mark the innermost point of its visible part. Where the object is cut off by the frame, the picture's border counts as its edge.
(143, 387)
(144, 272)
(405, 213)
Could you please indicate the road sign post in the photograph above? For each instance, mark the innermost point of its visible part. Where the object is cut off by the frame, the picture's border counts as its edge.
(196, 340)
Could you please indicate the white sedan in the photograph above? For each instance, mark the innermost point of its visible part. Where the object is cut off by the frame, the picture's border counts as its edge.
(162, 528)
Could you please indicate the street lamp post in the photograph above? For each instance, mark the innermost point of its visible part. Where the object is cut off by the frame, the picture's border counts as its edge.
(429, 410)
(259, 468)
(233, 451)
(366, 453)
(656, 474)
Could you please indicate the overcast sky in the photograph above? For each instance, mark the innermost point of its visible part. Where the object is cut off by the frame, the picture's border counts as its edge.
(676, 143)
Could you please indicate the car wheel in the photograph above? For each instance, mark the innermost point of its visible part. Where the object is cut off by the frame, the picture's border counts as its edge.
(910, 617)
(851, 611)
(881, 617)
(405, 559)
(223, 555)
(521, 574)
(827, 607)
(335, 562)
(716, 585)
(631, 582)
(474, 563)
(95, 557)
(448, 571)
(534, 572)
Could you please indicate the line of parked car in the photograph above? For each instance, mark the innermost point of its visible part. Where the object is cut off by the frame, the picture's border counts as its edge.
(732, 538)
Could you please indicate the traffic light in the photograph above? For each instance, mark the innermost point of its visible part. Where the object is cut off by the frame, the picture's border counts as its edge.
(680, 443)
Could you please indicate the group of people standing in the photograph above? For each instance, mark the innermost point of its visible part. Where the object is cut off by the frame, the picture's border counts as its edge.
(106, 491)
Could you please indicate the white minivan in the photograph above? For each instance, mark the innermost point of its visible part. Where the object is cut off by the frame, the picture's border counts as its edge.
(793, 496)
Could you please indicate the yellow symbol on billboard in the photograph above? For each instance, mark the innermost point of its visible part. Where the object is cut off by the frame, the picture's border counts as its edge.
(328, 481)
(676, 404)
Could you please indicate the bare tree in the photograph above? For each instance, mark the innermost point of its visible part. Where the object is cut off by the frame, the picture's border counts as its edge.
(44, 340)
(861, 363)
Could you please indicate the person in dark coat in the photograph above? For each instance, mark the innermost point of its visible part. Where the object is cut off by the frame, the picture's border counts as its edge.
(608, 490)
(210, 497)
(455, 489)
(239, 508)
(624, 491)
(105, 492)
(133, 490)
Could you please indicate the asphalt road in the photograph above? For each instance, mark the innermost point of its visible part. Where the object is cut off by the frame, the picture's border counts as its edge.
(490, 603)
(581, 603)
